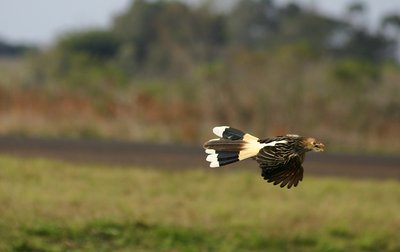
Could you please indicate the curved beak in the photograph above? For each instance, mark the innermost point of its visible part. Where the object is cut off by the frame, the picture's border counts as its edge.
(319, 147)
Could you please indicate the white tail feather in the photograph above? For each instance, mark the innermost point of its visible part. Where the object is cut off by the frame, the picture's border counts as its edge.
(219, 130)
(210, 151)
(212, 157)
(232, 145)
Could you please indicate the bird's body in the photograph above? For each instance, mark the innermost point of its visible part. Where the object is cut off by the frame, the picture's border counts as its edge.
(280, 158)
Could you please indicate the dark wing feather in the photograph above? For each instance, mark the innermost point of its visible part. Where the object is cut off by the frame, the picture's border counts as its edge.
(274, 156)
(287, 175)
(280, 165)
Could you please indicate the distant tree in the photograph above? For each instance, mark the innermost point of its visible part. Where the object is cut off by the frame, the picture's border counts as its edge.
(297, 25)
(392, 21)
(356, 7)
(97, 44)
(80, 59)
(390, 25)
(356, 41)
(14, 50)
(291, 10)
(356, 13)
(252, 23)
(162, 35)
(136, 28)
(371, 47)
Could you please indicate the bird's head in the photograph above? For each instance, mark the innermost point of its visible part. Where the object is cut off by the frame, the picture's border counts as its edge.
(310, 144)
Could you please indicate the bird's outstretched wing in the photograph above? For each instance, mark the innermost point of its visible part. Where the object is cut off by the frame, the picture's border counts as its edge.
(280, 165)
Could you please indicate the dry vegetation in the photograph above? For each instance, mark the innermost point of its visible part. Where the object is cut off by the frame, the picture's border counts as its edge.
(266, 93)
(53, 206)
(166, 71)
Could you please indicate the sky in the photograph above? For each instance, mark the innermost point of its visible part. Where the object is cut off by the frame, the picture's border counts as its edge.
(41, 21)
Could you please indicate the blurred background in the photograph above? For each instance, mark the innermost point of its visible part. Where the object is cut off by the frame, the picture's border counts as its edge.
(166, 72)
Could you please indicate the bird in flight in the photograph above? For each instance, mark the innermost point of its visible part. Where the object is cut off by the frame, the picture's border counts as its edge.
(280, 158)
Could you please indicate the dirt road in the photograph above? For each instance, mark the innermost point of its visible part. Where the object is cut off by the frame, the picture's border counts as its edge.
(187, 157)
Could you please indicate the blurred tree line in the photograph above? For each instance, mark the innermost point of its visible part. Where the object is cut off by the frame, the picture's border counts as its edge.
(171, 37)
(15, 50)
(175, 69)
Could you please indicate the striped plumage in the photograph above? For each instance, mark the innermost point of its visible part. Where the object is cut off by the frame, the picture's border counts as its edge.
(280, 158)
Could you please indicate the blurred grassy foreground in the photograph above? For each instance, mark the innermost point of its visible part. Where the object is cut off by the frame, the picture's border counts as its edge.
(53, 206)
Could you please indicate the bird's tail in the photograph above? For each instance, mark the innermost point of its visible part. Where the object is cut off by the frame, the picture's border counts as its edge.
(232, 145)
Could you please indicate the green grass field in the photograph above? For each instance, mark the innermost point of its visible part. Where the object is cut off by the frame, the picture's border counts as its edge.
(54, 206)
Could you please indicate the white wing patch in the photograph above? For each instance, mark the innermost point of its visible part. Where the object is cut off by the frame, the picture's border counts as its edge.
(273, 143)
